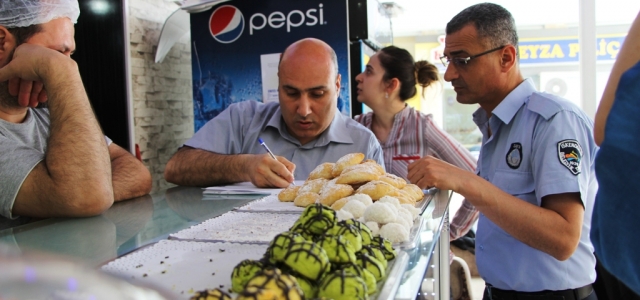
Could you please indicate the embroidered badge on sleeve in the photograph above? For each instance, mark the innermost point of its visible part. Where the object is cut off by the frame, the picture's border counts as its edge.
(570, 154)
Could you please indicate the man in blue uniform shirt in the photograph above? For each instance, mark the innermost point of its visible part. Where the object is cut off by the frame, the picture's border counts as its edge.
(304, 129)
(535, 183)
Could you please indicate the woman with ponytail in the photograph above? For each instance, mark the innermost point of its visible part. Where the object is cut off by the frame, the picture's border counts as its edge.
(390, 78)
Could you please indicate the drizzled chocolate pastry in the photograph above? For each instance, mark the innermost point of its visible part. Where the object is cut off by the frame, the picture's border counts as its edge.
(342, 284)
(309, 288)
(385, 246)
(243, 272)
(376, 253)
(338, 249)
(365, 232)
(271, 284)
(317, 219)
(215, 294)
(300, 229)
(280, 244)
(349, 232)
(307, 259)
(368, 278)
(371, 264)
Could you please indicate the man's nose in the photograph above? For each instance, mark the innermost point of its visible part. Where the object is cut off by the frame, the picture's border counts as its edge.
(304, 106)
(450, 73)
(359, 78)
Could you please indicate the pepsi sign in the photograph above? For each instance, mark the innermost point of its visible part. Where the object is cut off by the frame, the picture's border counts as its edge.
(294, 18)
(229, 39)
(226, 24)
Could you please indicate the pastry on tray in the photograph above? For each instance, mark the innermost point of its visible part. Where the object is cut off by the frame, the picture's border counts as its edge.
(338, 249)
(371, 264)
(307, 259)
(243, 272)
(288, 194)
(215, 294)
(317, 219)
(279, 245)
(342, 284)
(346, 161)
(368, 278)
(272, 284)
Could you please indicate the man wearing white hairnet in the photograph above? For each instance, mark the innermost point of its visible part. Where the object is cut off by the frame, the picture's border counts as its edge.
(55, 161)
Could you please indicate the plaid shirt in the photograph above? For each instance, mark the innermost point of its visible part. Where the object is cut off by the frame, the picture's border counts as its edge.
(415, 134)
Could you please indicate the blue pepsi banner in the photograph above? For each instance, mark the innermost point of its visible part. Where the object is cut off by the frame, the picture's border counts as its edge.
(566, 50)
(236, 45)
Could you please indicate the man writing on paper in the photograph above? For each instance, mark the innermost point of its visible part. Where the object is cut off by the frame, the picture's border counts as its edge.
(303, 130)
(54, 162)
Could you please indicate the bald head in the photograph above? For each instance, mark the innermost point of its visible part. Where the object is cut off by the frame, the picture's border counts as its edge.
(310, 50)
(308, 88)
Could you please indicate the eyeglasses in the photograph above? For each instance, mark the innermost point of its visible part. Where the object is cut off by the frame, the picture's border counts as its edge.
(463, 61)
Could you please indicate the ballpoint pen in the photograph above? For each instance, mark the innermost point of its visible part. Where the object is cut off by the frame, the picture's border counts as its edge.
(269, 151)
(266, 148)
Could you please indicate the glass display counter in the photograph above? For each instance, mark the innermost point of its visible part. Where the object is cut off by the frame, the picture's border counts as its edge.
(423, 270)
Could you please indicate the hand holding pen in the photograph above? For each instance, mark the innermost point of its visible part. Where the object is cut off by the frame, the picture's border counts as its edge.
(272, 170)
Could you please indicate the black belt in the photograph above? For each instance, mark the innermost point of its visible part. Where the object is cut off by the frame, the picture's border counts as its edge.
(573, 294)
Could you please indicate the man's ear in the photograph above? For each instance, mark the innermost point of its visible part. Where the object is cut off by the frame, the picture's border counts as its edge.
(509, 57)
(7, 43)
(338, 79)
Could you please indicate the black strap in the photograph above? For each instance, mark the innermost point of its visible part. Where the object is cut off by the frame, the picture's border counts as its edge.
(493, 293)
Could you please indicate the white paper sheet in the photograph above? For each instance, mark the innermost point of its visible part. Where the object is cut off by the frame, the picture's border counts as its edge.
(269, 71)
(243, 188)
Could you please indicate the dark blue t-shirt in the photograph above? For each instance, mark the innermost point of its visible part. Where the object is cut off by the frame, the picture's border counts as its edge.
(616, 216)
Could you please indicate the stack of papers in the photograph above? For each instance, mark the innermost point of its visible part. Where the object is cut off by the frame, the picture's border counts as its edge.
(241, 191)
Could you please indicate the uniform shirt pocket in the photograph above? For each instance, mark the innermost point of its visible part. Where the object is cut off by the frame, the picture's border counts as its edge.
(518, 184)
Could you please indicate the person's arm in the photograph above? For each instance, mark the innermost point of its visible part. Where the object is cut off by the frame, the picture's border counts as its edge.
(74, 179)
(463, 220)
(130, 178)
(553, 228)
(196, 167)
(628, 56)
(446, 148)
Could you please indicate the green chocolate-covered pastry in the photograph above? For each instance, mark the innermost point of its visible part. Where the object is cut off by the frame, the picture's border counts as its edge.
(368, 278)
(376, 253)
(342, 284)
(372, 265)
(385, 246)
(299, 228)
(279, 245)
(307, 259)
(365, 232)
(271, 284)
(215, 294)
(309, 288)
(338, 249)
(243, 272)
(317, 218)
(350, 233)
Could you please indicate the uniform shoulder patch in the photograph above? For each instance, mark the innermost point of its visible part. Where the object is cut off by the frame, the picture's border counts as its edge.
(570, 155)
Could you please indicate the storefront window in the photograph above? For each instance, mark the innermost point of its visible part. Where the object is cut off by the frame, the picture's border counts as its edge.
(549, 51)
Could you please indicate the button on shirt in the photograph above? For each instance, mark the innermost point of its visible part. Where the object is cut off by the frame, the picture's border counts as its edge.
(540, 145)
(236, 131)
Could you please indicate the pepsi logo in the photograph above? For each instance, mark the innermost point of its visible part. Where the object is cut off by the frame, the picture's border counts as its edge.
(226, 24)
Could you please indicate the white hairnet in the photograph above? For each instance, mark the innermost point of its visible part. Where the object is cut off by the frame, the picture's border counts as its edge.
(23, 13)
